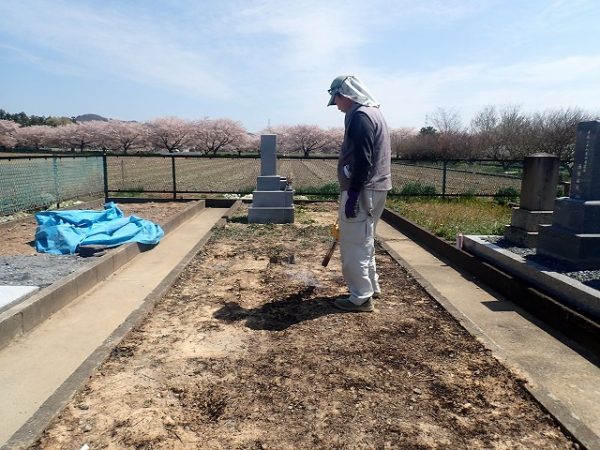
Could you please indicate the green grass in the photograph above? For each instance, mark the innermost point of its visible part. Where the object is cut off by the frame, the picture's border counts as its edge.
(302, 215)
(324, 192)
(448, 217)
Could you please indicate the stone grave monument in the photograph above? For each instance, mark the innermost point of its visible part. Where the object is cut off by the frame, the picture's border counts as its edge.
(538, 192)
(574, 236)
(273, 199)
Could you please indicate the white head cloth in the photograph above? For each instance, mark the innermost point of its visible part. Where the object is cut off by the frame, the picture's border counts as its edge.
(351, 87)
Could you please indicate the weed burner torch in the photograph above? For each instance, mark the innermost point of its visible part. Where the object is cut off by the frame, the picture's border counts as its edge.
(335, 232)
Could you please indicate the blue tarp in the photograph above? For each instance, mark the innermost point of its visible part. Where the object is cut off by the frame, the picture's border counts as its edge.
(62, 232)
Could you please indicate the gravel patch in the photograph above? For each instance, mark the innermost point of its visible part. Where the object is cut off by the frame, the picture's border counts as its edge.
(38, 270)
(590, 278)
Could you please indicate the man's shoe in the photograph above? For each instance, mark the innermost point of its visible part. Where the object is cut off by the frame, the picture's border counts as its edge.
(346, 305)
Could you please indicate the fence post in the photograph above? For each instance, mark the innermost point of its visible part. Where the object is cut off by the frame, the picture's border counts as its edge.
(56, 185)
(174, 177)
(105, 174)
(445, 164)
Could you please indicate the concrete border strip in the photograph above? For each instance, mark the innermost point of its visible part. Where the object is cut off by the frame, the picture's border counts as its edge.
(34, 427)
(33, 310)
(570, 424)
(537, 302)
(572, 292)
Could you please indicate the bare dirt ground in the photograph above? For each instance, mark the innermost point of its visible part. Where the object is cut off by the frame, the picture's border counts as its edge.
(18, 237)
(246, 352)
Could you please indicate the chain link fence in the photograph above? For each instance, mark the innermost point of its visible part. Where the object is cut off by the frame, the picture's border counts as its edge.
(28, 183)
(315, 175)
(35, 182)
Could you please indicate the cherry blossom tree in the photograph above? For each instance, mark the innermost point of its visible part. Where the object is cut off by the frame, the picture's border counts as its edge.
(211, 136)
(8, 130)
(335, 139)
(35, 136)
(169, 133)
(303, 138)
(250, 144)
(125, 136)
(77, 136)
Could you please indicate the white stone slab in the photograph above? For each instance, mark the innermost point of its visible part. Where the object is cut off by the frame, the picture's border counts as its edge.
(10, 295)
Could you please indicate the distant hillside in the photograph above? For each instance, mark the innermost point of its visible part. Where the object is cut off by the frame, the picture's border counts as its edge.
(90, 117)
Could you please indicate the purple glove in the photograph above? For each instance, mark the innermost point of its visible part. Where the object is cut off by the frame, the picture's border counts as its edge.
(351, 207)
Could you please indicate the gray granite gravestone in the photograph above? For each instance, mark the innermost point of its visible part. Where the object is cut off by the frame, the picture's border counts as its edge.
(574, 236)
(273, 199)
(538, 191)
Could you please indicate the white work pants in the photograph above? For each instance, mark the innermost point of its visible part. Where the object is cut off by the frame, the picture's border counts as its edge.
(357, 244)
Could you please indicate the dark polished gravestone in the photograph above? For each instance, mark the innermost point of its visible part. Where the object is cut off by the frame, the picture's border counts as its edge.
(574, 236)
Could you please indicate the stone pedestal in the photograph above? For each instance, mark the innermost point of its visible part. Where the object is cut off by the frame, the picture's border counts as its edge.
(524, 226)
(538, 191)
(574, 236)
(273, 199)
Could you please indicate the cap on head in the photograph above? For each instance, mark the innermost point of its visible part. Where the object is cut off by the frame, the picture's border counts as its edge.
(335, 88)
(351, 87)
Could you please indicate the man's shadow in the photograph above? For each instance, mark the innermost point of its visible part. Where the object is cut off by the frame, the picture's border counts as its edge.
(279, 314)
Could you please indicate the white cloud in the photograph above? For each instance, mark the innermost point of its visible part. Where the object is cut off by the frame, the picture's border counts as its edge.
(408, 97)
(255, 60)
(109, 43)
(537, 85)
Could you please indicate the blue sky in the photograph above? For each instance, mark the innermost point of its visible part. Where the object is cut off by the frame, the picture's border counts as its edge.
(268, 61)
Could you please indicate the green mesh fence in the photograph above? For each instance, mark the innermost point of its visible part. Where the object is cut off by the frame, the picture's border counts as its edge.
(187, 174)
(211, 175)
(35, 182)
(28, 183)
(194, 173)
(478, 178)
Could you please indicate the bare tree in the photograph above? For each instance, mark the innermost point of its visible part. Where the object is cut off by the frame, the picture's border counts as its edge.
(453, 140)
(484, 131)
(455, 145)
(514, 132)
(169, 133)
(556, 130)
(422, 145)
(401, 138)
(446, 120)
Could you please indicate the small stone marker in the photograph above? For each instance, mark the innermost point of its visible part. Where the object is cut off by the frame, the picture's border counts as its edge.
(538, 192)
(574, 236)
(273, 199)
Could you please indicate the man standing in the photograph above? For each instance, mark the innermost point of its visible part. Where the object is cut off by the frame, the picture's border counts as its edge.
(364, 174)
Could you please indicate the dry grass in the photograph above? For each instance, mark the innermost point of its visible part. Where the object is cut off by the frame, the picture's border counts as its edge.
(448, 217)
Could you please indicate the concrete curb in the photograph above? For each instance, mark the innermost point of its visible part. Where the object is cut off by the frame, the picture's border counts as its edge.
(33, 310)
(573, 293)
(34, 427)
(538, 302)
(571, 425)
